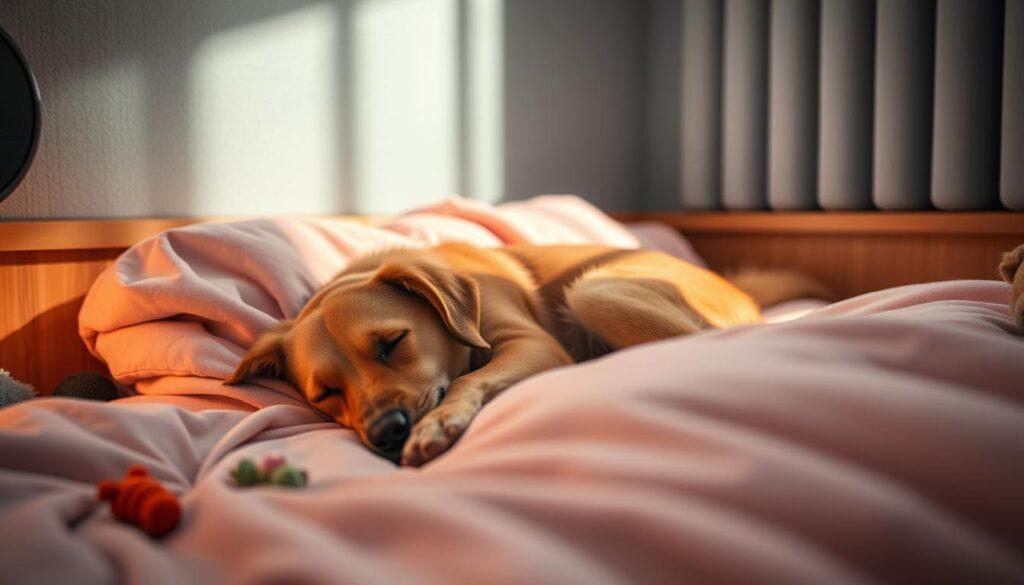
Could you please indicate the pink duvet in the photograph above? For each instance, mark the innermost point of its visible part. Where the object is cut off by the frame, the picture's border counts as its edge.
(877, 439)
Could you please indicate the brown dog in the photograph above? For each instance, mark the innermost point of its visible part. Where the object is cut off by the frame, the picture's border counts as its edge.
(406, 346)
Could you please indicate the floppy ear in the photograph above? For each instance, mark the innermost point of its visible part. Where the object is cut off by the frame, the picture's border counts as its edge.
(265, 358)
(455, 297)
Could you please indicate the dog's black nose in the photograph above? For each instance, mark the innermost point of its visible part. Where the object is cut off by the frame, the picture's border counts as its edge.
(389, 431)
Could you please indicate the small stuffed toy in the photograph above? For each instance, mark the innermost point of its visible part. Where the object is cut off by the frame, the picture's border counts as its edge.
(141, 500)
(1012, 271)
(273, 470)
(12, 391)
(87, 385)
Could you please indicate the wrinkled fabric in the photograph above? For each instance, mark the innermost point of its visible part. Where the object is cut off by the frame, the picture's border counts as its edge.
(880, 439)
(175, 314)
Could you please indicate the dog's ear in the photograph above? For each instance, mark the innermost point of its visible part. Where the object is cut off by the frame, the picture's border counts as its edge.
(1011, 262)
(455, 297)
(265, 358)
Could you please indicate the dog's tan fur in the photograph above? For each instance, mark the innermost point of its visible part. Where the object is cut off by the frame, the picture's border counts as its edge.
(476, 321)
(1011, 268)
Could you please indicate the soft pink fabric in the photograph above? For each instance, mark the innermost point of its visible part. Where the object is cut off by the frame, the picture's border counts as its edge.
(792, 309)
(658, 236)
(878, 439)
(174, 315)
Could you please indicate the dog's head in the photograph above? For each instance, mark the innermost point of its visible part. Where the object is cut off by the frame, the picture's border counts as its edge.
(376, 349)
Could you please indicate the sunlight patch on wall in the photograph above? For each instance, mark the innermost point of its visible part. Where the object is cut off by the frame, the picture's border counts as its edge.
(263, 116)
(485, 152)
(406, 100)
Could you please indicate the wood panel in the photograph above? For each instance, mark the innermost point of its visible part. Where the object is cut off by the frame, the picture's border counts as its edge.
(836, 222)
(851, 252)
(854, 264)
(85, 234)
(93, 234)
(42, 293)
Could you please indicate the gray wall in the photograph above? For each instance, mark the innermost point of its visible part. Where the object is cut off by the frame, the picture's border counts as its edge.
(190, 107)
(574, 92)
(662, 115)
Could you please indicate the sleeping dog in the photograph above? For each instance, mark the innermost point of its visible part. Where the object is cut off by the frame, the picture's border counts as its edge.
(405, 346)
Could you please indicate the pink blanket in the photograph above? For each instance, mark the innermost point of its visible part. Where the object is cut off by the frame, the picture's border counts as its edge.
(877, 439)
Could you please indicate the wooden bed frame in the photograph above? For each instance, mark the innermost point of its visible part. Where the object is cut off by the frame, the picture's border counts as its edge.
(46, 267)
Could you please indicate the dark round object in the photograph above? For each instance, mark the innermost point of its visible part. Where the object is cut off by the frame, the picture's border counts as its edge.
(88, 385)
(19, 115)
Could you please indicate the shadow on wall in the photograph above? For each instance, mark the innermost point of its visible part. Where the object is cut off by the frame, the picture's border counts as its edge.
(265, 106)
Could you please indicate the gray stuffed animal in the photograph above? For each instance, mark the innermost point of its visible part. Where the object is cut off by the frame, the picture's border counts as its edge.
(12, 391)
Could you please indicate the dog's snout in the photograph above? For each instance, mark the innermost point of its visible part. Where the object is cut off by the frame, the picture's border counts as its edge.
(389, 431)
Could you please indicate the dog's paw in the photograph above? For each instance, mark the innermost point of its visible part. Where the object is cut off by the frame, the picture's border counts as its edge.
(435, 433)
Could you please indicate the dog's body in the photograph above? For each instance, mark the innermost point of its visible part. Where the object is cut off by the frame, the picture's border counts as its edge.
(406, 346)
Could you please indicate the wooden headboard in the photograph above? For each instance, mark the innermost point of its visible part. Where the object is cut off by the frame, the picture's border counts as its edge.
(852, 252)
(46, 267)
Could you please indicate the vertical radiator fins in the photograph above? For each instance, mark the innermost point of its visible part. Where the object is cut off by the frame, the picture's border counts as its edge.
(847, 96)
(702, 104)
(1011, 186)
(663, 131)
(793, 105)
(904, 83)
(968, 72)
(835, 104)
(745, 105)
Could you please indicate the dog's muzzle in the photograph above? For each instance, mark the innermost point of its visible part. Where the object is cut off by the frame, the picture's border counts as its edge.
(388, 433)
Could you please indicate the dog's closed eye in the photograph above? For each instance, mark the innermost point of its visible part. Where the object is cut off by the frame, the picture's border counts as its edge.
(327, 392)
(387, 344)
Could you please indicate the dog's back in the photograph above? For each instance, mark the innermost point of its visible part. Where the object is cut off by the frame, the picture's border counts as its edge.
(594, 299)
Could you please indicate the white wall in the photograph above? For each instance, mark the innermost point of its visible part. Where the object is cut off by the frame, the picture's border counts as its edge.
(192, 107)
(180, 107)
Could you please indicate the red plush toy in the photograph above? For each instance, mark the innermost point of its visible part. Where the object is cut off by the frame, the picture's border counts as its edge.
(141, 500)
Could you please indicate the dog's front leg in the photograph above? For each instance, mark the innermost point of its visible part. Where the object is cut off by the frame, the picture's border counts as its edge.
(513, 360)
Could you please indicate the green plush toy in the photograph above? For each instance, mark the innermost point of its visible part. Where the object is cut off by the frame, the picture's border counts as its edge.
(273, 471)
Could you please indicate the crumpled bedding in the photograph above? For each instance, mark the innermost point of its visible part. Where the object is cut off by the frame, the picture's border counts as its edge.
(879, 439)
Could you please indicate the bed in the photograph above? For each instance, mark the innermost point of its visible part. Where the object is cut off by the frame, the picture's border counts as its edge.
(880, 438)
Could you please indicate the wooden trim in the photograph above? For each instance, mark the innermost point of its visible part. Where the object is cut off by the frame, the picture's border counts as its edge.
(1004, 223)
(102, 234)
(83, 234)
(105, 234)
(850, 252)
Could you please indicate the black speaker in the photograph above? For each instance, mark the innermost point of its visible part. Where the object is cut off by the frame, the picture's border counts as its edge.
(19, 115)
